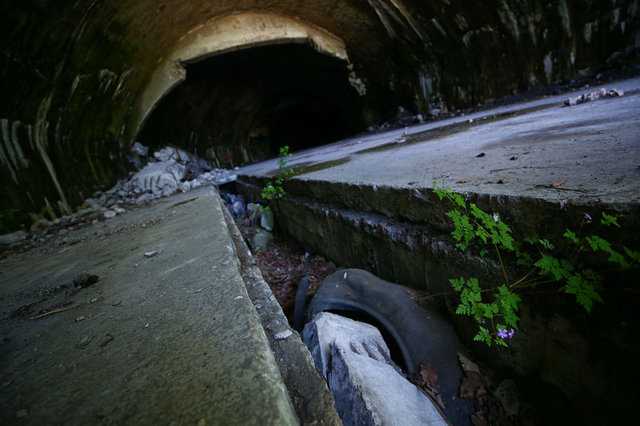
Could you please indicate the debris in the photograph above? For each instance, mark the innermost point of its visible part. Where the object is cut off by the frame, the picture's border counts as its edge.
(463, 181)
(557, 184)
(482, 154)
(108, 338)
(429, 374)
(84, 341)
(513, 158)
(283, 335)
(426, 380)
(55, 311)
(595, 95)
(468, 365)
(80, 318)
(149, 254)
(507, 394)
(82, 281)
(502, 181)
(140, 149)
(412, 183)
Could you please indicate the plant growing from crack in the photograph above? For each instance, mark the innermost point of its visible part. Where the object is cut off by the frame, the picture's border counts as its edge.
(495, 308)
(273, 190)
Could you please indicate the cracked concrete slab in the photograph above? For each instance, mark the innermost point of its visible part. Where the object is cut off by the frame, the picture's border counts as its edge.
(590, 151)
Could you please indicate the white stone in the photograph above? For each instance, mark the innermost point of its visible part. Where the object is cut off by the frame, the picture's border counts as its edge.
(327, 330)
(367, 391)
(161, 178)
(140, 149)
(366, 385)
(282, 335)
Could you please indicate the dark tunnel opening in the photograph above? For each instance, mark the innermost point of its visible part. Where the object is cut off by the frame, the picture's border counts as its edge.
(246, 104)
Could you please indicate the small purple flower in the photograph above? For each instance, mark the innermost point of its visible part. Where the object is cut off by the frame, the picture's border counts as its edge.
(496, 218)
(587, 216)
(446, 175)
(503, 333)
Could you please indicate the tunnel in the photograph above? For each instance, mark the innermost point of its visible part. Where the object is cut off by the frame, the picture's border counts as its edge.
(246, 104)
(232, 81)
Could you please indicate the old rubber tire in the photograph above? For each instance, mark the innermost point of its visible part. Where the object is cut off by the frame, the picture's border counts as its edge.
(422, 335)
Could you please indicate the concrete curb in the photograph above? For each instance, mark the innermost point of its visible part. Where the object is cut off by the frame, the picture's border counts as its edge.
(308, 391)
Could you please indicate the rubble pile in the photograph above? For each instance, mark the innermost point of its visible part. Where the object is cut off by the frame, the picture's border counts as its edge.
(168, 171)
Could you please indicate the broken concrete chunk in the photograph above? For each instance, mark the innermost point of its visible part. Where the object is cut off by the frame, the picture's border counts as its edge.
(329, 329)
(140, 149)
(367, 391)
(367, 386)
(267, 220)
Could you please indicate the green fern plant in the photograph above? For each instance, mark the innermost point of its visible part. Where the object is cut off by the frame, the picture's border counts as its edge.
(495, 307)
(273, 190)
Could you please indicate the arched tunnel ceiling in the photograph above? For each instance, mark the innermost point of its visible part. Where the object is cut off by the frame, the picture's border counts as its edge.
(229, 33)
(77, 79)
(250, 102)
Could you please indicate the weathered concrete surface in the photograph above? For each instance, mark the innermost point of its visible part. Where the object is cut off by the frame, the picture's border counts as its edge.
(589, 151)
(166, 337)
(594, 146)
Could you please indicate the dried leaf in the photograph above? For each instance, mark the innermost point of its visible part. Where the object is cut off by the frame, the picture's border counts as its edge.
(429, 374)
(437, 398)
(467, 364)
(463, 181)
(472, 386)
(557, 184)
(507, 394)
(479, 420)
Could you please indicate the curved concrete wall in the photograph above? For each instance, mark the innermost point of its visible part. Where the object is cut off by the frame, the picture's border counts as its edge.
(77, 78)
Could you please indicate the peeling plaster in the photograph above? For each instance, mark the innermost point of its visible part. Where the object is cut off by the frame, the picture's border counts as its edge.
(548, 67)
(41, 140)
(563, 10)
(508, 19)
(394, 10)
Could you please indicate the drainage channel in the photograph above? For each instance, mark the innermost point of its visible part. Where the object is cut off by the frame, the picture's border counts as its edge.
(400, 234)
(412, 345)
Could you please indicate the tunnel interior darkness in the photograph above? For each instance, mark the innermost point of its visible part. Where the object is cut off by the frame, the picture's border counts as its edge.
(248, 103)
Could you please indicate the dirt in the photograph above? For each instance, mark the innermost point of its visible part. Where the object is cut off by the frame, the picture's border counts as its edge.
(284, 264)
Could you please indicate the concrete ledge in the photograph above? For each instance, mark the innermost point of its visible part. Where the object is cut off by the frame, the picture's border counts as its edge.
(308, 391)
(171, 337)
